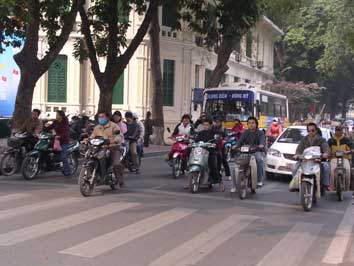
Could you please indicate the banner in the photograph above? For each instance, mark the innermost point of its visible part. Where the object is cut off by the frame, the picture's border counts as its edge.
(238, 95)
(9, 79)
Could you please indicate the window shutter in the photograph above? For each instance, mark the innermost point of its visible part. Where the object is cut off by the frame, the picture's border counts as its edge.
(57, 80)
(118, 91)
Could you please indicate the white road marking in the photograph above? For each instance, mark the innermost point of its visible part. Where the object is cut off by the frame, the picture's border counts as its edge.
(38, 230)
(159, 187)
(12, 197)
(336, 251)
(291, 250)
(10, 213)
(107, 242)
(194, 250)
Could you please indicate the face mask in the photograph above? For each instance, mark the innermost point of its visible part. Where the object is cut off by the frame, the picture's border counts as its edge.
(102, 121)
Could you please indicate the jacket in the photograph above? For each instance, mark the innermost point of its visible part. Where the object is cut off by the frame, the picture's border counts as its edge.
(61, 129)
(340, 144)
(238, 130)
(274, 130)
(32, 126)
(148, 126)
(123, 129)
(251, 138)
(306, 142)
(133, 132)
(107, 132)
(180, 129)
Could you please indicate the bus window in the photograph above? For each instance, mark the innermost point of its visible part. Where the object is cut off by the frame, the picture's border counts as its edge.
(241, 109)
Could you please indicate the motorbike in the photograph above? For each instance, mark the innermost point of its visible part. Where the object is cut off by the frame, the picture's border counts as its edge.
(127, 158)
(341, 178)
(43, 157)
(198, 166)
(18, 146)
(97, 167)
(309, 177)
(245, 171)
(179, 153)
(230, 142)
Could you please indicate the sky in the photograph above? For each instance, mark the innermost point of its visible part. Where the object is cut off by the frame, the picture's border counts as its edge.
(9, 79)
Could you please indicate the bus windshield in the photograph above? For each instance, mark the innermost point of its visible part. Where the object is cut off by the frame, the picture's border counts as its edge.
(229, 104)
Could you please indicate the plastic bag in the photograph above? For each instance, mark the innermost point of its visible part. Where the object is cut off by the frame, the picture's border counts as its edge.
(294, 183)
(57, 146)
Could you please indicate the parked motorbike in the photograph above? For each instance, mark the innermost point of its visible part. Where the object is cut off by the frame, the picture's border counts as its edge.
(341, 178)
(12, 158)
(246, 171)
(179, 155)
(97, 167)
(44, 158)
(230, 142)
(198, 166)
(310, 177)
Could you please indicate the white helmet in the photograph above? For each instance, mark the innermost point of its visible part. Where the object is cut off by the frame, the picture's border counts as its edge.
(135, 116)
(275, 119)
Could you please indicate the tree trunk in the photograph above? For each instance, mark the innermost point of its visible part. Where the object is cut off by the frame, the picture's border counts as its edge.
(23, 104)
(224, 52)
(157, 98)
(106, 99)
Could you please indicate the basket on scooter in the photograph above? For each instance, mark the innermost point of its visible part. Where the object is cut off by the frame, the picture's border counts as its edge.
(243, 159)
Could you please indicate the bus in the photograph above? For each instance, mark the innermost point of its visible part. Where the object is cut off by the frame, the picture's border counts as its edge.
(241, 100)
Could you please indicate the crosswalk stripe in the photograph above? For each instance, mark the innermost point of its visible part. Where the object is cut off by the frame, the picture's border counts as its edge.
(293, 247)
(336, 251)
(107, 242)
(10, 213)
(203, 244)
(38, 230)
(11, 197)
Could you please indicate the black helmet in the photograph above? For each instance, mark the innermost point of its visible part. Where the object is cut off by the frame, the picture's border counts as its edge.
(128, 114)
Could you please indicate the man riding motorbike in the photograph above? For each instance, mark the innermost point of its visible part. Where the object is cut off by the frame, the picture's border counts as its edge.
(314, 139)
(185, 127)
(33, 126)
(255, 138)
(341, 143)
(132, 135)
(108, 130)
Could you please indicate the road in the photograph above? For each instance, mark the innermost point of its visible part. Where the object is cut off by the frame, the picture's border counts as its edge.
(155, 222)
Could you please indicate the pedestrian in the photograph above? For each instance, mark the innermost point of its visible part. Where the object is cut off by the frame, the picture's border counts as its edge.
(148, 128)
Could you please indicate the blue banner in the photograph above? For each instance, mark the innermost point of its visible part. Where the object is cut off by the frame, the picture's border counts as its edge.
(228, 95)
(198, 95)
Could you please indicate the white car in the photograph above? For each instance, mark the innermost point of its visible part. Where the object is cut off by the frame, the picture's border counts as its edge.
(279, 159)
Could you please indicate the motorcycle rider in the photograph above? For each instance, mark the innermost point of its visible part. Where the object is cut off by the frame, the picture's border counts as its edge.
(131, 136)
(109, 130)
(254, 137)
(238, 128)
(314, 138)
(118, 119)
(274, 130)
(339, 142)
(206, 135)
(61, 129)
(140, 142)
(220, 130)
(198, 124)
(185, 127)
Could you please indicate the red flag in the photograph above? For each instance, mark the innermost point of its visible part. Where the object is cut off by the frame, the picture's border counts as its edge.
(4, 78)
(15, 72)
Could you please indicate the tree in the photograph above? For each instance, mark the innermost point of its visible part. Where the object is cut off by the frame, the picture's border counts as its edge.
(104, 26)
(22, 21)
(222, 24)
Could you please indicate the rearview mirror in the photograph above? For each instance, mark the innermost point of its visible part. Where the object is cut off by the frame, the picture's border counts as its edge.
(168, 130)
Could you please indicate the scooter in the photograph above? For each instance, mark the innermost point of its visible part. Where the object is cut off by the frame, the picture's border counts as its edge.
(179, 155)
(230, 142)
(341, 178)
(97, 167)
(198, 166)
(245, 171)
(309, 177)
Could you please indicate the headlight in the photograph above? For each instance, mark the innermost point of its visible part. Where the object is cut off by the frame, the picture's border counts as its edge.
(308, 157)
(274, 152)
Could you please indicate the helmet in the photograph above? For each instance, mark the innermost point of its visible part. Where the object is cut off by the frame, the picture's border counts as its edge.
(128, 114)
(135, 116)
(275, 119)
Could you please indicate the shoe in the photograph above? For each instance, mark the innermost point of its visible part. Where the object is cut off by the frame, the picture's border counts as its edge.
(260, 184)
(228, 178)
(233, 190)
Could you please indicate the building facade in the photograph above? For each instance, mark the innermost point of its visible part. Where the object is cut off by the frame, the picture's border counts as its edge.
(70, 85)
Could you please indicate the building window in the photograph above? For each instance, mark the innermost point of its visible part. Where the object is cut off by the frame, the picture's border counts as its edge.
(169, 14)
(236, 79)
(224, 78)
(168, 82)
(208, 74)
(249, 41)
(57, 80)
(118, 91)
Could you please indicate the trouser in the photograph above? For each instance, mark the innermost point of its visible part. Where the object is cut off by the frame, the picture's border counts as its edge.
(118, 167)
(214, 173)
(146, 140)
(325, 172)
(260, 165)
(134, 153)
(223, 160)
(64, 159)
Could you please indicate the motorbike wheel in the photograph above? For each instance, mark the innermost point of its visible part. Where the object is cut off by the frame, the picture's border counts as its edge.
(73, 163)
(242, 184)
(9, 164)
(307, 195)
(194, 182)
(176, 168)
(86, 188)
(339, 188)
(30, 167)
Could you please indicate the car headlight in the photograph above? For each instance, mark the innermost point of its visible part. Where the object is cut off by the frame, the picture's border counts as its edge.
(274, 152)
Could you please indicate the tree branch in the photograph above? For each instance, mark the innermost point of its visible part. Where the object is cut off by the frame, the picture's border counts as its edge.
(112, 35)
(49, 58)
(85, 28)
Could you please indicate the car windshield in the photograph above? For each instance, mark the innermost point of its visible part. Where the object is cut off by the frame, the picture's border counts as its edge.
(295, 135)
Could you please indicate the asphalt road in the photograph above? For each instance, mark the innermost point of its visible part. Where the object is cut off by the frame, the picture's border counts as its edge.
(154, 221)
